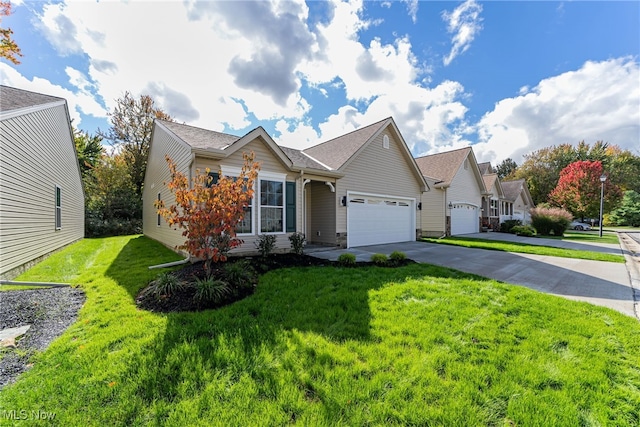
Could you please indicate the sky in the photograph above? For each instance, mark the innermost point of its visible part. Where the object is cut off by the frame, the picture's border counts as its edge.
(506, 77)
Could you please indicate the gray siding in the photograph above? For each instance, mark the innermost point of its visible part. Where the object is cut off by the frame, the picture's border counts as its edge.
(432, 214)
(157, 175)
(37, 153)
(465, 187)
(321, 222)
(377, 170)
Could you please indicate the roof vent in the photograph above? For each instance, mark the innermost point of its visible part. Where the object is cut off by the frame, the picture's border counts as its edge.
(385, 141)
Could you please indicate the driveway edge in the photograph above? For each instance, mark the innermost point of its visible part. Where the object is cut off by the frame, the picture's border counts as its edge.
(631, 251)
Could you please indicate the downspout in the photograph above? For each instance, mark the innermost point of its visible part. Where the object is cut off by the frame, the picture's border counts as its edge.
(42, 284)
(170, 264)
(444, 211)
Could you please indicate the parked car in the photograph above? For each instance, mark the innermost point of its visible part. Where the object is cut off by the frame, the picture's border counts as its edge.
(577, 225)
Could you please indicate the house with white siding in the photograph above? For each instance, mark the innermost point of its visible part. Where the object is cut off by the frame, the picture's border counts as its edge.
(517, 195)
(41, 192)
(454, 206)
(358, 189)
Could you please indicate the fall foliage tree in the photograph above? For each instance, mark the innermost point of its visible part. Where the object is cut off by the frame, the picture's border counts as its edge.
(578, 189)
(8, 47)
(209, 212)
(131, 125)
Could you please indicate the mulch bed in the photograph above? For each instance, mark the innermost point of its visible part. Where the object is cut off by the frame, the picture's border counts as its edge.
(185, 301)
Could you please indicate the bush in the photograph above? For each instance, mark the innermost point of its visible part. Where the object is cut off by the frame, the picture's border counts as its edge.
(523, 230)
(211, 291)
(265, 244)
(166, 284)
(379, 259)
(550, 220)
(397, 256)
(239, 275)
(507, 226)
(297, 243)
(347, 259)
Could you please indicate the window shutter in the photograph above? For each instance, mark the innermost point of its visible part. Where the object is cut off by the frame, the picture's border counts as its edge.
(291, 207)
(215, 176)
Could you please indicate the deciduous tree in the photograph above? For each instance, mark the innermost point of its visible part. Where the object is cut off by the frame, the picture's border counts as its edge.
(89, 151)
(131, 125)
(8, 47)
(209, 212)
(578, 189)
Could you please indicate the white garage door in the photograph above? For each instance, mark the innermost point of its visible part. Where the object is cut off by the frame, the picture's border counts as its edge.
(464, 219)
(373, 220)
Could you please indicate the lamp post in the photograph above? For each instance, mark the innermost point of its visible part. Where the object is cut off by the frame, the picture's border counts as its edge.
(603, 178)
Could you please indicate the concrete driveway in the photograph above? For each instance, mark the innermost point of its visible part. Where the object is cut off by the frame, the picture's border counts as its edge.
(600, 283)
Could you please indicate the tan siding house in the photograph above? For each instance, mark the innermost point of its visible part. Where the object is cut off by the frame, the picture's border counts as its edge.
(433, 213)
(361, 188)
(41, 193)
(457, 174)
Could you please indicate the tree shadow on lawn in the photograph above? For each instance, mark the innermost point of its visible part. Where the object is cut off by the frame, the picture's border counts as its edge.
(246, 339)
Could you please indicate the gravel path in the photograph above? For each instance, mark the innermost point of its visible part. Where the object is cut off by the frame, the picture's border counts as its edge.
(49, 312)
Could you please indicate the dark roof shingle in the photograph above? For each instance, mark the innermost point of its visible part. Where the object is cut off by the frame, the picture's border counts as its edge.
(512, 189)
(200, 138)
(12, 98)
(443, 166)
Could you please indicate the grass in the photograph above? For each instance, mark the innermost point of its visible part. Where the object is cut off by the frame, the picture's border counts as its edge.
(416, 345)
(587, 236)
(526, 248)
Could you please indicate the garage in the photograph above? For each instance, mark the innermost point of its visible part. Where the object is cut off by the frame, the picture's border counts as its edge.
(376, 219)
(464, 218)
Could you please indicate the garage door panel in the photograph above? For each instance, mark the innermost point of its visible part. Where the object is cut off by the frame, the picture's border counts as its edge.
(464, 219)
(378, 220)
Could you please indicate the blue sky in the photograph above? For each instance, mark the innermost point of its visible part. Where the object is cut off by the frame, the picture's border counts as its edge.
(506, 77)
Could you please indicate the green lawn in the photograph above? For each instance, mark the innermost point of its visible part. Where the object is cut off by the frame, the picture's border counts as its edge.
(525, 248)
(587, 236)
(417, 345)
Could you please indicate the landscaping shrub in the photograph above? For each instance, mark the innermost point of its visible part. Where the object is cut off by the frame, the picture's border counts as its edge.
(210, 290)
(297, 243)
(265, 244)
(166, 284)
(239, 275)
(347, 259)
(397, 256)
(507, 226)
(379, 259)
(550, 220)
(523, 230)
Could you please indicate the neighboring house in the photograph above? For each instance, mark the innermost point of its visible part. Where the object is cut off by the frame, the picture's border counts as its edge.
(41, 193)
(455, 202)
(358, 189)
(494, 204)
(518, 200)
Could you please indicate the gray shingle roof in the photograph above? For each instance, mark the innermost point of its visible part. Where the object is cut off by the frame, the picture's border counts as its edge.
(336, 152)
(299, 158)
(200, 138)
(512, 189)
(485, 168)
(443, 166)
(12, 98)
(489, 180)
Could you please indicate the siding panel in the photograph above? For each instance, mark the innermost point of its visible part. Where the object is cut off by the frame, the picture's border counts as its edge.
(36, 154)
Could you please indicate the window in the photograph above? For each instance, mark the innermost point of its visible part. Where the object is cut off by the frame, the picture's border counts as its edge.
(245, 226)
(494, 207)
(385, 141)
(58, 208)
(158, 220)
(271, 206)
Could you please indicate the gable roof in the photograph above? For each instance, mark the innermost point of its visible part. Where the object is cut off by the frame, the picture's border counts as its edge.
(493, 185)
(14, 101)
(485, 168)
(445, 166)
(512, 189)
(198, 137)
(303, 160)
(337, 151)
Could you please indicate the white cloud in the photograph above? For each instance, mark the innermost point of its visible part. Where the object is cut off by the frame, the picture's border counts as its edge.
(464, 24)
(600, 101)
(82, 101)
(412, 8)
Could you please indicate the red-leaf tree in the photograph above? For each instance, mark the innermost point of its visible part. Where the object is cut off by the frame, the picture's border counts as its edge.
(209, 212)
(578, 189)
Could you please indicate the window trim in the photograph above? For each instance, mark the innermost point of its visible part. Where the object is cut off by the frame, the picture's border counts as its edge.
(58, 208)
(234, 172)
(276, 177)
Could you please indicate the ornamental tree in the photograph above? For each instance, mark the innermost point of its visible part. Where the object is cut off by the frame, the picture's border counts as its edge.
(8, 47)
(578, 189)
(209, 212)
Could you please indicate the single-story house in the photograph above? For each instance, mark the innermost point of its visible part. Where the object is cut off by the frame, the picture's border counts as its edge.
(358, 189)
(518, 197)
(494, 204)
(455, 202)
(41, 192)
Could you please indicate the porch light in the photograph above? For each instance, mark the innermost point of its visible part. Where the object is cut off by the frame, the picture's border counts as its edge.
(450, 205)
(419, 206)
(344, 201)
